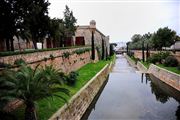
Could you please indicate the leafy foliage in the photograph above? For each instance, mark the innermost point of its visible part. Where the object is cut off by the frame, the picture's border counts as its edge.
(19, 62)
(69, 22)
(171, 61)
(80, 51)
(164, 37)
(52, 57)
(31, 85)
(72, 78)
(158, 57)
(66, 54)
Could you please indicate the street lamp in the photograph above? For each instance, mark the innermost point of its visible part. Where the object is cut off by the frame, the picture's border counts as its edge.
(92, 28)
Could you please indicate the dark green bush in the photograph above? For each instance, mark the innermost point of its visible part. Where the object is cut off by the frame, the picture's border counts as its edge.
(62, 77)
(19, 62)
(178, 67)
(52, 57)
(66, 54)
(80, 51)
(171, 61)
(72, 78)
(158, 57)
(45, 59)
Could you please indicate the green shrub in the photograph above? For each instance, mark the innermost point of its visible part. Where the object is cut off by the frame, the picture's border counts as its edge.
(80, 51)
(52, 57)
(66, 54)
(45, 59)
(158, 57)
(62, 77)
(19, 62)
(72, 78)
(178, 67)
(171, 61)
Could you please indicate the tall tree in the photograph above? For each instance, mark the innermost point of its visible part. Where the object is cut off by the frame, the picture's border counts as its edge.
(56, 31)
(69, 22)
(37, 20)
(164, 37)
(8, 21)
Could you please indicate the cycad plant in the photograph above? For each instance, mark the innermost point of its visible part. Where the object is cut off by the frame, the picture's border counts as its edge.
(30, 85)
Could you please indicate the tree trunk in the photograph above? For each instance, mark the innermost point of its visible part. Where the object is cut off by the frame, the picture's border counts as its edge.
(30, 113)
(12, 44)
(19, 45)
(102, 49)
(92, 46)
(143, 52)
(61, 41)
(7, 45)
(34, 43)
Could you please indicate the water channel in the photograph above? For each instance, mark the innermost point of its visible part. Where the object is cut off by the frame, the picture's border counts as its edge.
(129, 94)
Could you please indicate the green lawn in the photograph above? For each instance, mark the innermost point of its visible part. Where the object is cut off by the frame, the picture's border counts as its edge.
(172, 69)
(45, 108)
(146, 64)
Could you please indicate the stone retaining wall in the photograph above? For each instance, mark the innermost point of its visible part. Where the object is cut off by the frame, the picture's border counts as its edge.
(141, 67)
(138, 54)
(78, 104)
(166, 76)
(130, 61)
(72, 63)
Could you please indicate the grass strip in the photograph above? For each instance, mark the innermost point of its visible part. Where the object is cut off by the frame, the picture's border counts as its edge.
(172, 69)
(46, 108)
(146, 64)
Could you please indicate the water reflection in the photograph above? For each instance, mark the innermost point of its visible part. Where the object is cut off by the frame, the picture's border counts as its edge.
(162, 91)
(131, 95)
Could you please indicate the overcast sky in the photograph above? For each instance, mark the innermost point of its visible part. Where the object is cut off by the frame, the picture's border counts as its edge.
(120, 19)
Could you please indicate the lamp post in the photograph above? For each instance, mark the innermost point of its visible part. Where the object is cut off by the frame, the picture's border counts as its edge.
(93, 28)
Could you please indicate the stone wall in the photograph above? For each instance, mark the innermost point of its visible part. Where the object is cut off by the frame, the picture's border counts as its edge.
(138, 54)
(141, 67)
(73, 62)
(166, 76)
(130, 61)
(78, 104)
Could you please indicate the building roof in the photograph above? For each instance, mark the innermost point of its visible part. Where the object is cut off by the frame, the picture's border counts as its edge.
(88, 27)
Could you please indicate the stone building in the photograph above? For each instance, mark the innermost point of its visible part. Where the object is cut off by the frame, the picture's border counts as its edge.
(83, 36)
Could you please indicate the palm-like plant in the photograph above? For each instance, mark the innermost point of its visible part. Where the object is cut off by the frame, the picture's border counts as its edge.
(31, 85)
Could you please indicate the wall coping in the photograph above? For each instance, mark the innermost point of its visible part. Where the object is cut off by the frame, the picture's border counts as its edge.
(143, 69)
(164, 69)
(77, 94)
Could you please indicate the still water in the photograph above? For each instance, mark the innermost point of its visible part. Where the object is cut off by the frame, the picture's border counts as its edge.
(132, 95)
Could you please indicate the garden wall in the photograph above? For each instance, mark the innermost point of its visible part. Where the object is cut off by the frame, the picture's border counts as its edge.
(141, 67)
(130, 61)
(79, 103)
(138, 54)
(166, 76)
(59, 61)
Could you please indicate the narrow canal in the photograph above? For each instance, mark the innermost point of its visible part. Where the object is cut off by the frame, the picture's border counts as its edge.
(130, 94)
